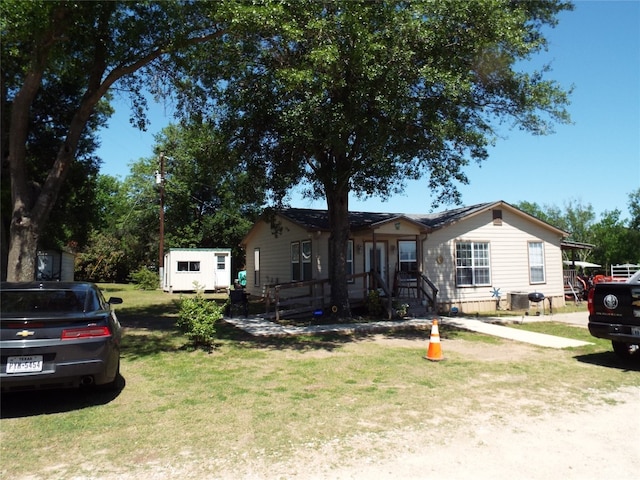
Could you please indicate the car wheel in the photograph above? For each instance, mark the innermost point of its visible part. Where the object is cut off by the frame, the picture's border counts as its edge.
(626, 351)
(115, 384)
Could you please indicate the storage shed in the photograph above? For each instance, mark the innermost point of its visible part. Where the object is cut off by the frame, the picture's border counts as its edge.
(55, 265)
(186, 269)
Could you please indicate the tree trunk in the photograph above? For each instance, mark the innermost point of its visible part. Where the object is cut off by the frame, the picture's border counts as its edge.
(23, 233)
(22, 258)
(24, 228)
(29, 213)
(338, 205)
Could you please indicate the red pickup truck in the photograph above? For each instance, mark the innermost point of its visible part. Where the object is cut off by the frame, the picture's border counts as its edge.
(614, 314)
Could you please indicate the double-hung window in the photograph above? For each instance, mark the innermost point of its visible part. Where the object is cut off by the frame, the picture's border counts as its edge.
(408, 260)
(301, 265)
(536, 262)
(350, 265)
(306, 260)
(295, 261)
(472, 264)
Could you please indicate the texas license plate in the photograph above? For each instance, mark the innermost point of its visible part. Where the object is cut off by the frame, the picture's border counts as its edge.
(24, 364)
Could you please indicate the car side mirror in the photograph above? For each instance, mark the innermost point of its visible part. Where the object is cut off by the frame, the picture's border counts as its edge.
(114, 300)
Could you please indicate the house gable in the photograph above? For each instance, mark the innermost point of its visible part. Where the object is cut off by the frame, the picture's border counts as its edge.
(508, 242)
(274, 247)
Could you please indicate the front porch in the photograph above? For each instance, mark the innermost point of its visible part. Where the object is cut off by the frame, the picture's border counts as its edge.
(312, 298)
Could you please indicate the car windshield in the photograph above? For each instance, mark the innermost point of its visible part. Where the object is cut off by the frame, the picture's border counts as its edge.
(16, 301)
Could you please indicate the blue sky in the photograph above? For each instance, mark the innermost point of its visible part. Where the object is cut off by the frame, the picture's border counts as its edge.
(596, 160)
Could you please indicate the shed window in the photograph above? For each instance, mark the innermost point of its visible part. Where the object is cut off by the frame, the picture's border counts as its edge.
(221, 262)
(472, 264)
(188, 266)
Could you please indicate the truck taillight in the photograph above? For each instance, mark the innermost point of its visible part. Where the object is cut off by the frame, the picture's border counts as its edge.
(590, 301)
(84, 332)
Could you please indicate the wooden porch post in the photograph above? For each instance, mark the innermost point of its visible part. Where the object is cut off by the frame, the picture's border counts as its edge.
(420, 259)
(374, 259)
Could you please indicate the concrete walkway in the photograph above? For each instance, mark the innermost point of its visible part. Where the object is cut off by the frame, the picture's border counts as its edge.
(258, 326)
(540, 339)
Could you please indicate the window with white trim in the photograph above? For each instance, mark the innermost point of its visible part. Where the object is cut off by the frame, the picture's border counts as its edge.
(295, 261)
(301, 265)
(256, 267)
(305, 254)
(536, 262)
(350, 264)
(472, 264)
(221, 262)
(407, 256)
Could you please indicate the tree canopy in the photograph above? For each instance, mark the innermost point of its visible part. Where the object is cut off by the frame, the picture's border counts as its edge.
(615, 240)
(96, 44)
(357, 97)
(339, 96)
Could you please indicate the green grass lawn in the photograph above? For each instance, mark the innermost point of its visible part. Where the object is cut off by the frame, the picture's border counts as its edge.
(273, 396)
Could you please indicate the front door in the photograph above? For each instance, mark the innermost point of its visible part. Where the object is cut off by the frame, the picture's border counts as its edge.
(380, 259)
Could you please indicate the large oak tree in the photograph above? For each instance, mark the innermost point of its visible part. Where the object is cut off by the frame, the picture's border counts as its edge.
(360, 96)
(101, 43)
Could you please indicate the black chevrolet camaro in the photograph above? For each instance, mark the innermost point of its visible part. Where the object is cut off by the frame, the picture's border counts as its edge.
(57, 334)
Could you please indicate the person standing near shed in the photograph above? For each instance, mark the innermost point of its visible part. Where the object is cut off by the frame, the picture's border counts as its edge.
(242, 277)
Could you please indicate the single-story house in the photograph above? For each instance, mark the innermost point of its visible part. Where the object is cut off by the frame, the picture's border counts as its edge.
(189, 269)
(472, 258)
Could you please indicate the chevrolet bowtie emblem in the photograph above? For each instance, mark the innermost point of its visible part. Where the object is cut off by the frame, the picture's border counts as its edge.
(25, 333)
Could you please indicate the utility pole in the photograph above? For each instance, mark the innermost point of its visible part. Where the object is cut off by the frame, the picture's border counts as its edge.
(160, 183)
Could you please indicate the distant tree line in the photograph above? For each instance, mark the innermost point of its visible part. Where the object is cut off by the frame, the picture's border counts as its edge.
(209, 203)
(614, 236)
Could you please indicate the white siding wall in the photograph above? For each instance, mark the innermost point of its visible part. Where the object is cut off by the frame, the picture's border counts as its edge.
(67, 269)
(275, 254)
(508, 247)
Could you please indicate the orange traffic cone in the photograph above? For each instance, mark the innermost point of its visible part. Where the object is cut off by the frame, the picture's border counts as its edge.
(434, 352)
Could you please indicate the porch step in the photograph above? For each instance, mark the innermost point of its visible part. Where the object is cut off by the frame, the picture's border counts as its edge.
(415, 307)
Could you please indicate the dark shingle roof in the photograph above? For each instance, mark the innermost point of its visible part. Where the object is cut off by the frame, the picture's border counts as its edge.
(319, 219)
(440, 219)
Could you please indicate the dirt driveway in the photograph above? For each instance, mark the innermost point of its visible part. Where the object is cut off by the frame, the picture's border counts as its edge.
(590, 442)
(585, 441)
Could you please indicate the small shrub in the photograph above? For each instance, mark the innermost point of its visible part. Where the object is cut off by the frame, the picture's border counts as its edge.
(401, 309)
(197, 318)
(374, 304)
(145, 279)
